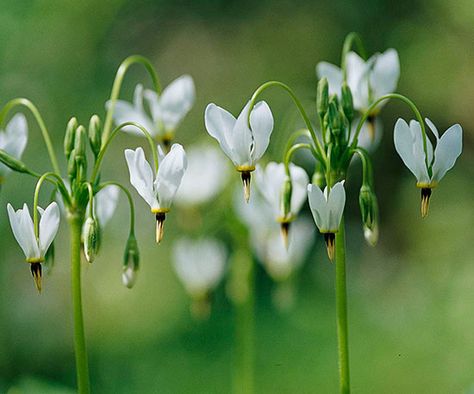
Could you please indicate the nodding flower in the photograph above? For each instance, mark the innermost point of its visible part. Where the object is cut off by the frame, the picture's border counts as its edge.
(327, 208)
(244, 145)
(428, 167)
(34, 245)
(166, 110)
(157, 190)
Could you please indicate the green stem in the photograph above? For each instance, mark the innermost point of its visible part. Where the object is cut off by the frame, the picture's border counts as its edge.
(341, 311)
(245, 338)
(293, 149)
(82, 368)
(98, 162)
(130, 202)
(295, 99)
(47, 139)
(122, 70)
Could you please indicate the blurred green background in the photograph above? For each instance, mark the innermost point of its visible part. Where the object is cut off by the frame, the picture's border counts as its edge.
(411, 298)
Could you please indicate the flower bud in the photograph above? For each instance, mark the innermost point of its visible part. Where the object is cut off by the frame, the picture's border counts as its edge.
(91, 239)
(322, 101)
(11, 162)
(95, 134)
(369, 211)
(70, 136)
(334, 118)
(347, 103)
(131, 259)
(71, 165)
(80, 142)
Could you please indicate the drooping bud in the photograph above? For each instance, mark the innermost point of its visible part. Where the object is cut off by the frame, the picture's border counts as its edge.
(95, 134)
(91, 239)
(322, 100)
(70, 136)
(246, 177)
(13, 163)
(330, 239)
(425, 201)
(160, 226)
(131, 260)
(369, 212)
(36, 271)
(347, 103)
(372, 235)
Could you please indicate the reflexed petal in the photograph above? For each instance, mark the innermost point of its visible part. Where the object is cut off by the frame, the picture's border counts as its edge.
(319, 207)
(105, 202)
(419, 151)
(48, 226)
(336, 203)
(385, 73)
(169, 176)
(269, 182)
(333, 74)
(141, 175)
(16, 136)
(404, 144)
(448, 149)
(176, 101)
(358, 80)
(23, 230)
(219, 124)
(366, 139)
(433, 128)
(242, 140)
(299, 182)
(261, 124)
(126, 112)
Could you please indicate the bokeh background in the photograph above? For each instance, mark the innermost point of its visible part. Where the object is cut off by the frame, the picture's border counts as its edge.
(411, 298)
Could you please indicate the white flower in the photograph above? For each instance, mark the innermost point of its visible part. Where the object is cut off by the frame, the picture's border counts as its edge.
(327, 209)
(199, 264)
(270, 181)
(368, 80)
(279, 261)
(370, 134)
(205, 177)
(13, 140)
(105, 203)
(23, 229)
(158, 191)
(165, 111)
(244, 145)
(409, 145)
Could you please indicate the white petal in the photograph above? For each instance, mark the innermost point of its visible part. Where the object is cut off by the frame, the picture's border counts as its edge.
(219, 124)
(48, 226)
(16, 136)
(336, 203)
(242, 140)
(105, 203)
(419, 151)
(141, 175)
(23, 230)
(448, 149)
(176, 101)
(365, 139)
(169, 176)
(269, 182)
(333, 74)
(385, 73)
(404, 144)
(319, 207)
(261, 124)
(433, 128)
(358, 80)
(299, 182)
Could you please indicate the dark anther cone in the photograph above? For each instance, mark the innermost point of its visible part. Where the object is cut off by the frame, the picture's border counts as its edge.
(246, 176)
(330, 239)
(285, 230)
(425, 201)
(36, 271)
(160, 226)
(371, 127)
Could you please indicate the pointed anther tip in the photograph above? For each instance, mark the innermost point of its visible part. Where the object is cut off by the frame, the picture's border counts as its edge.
(425, 201)
(160, 226)
(285, 230)
(330, 239)
(246, 177)
(36, 271)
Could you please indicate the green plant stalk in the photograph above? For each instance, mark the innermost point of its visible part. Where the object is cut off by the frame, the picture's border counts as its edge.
(341, 311)
(82, 368)
(245, 339)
